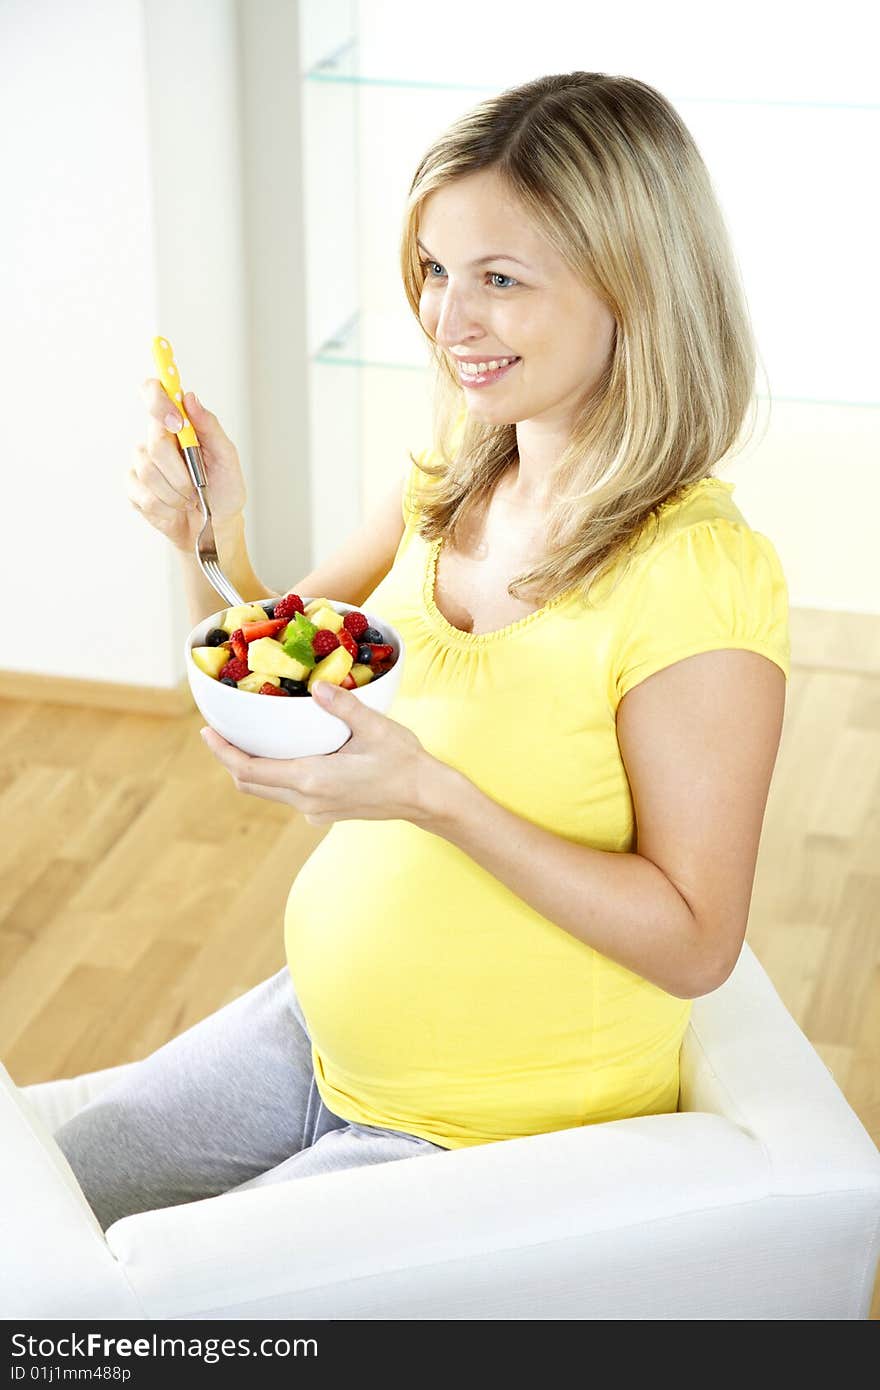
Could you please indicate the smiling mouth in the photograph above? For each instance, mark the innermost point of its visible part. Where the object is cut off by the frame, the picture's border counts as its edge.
(471, 377)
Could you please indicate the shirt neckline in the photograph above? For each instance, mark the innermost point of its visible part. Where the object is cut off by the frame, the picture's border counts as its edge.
(475, 639)
(481, 639)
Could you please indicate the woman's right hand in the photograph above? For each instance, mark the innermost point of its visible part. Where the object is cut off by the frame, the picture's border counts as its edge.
(159, 485)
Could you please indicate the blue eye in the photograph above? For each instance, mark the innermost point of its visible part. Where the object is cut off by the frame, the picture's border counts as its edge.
(496, 273)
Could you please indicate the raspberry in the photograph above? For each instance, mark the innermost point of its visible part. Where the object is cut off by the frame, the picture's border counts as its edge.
(347, 641)
(234, 671)
(270, 689)
(355, 623)
(381, 651)
(324, 642)
(239, 645)
(287, 606)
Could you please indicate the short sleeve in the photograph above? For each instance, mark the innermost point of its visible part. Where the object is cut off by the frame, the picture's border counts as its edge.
(713, 584)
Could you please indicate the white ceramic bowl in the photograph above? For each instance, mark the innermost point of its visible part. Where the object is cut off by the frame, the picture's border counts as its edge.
(269, 726)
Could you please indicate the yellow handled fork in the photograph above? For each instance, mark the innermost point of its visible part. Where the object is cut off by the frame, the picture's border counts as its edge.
(206, 547)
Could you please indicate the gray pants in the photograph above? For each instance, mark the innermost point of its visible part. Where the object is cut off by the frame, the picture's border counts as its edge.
(230, 1104)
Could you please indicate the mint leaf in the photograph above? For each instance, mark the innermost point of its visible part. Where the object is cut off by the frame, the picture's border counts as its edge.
(301, 650)
(299, 626)
(296, 639)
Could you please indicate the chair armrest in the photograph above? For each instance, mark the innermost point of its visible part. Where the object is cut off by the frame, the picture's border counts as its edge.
(409, 1235)
(54, 1261)
(744, 1057)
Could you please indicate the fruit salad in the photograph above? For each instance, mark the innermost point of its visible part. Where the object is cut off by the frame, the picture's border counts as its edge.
(282, 648)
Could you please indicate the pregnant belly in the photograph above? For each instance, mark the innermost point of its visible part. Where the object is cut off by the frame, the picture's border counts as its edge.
(405, 954)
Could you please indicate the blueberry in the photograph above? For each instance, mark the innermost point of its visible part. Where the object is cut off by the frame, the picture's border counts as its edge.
(270, 610)
(365, 655)
(371, 634)
(224, 681)
(216, 637)
(294, 687)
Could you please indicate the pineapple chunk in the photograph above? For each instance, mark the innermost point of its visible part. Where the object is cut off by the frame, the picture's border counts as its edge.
(361, 674)
(255, 682)
(315, 604)
(244, 613)
(333, 668)
(326, 617)
(211, 660)
(269, 658)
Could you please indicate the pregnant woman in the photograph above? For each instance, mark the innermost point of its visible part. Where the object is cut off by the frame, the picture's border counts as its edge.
(546, 850)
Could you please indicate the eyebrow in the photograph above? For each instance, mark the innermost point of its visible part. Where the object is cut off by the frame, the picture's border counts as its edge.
(484, 260)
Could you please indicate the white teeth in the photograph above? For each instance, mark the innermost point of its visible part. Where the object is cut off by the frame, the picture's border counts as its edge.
(479, 368)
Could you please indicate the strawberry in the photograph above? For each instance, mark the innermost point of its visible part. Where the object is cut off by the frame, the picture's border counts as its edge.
(348, 682)
(381, 651)
(251, 631)
(348, 642)
(238, 643)
(270, 689)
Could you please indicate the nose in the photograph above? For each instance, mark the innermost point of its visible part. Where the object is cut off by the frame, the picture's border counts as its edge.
(456, 322)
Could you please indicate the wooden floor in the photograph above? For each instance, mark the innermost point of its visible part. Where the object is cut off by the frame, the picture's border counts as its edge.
(139, 891)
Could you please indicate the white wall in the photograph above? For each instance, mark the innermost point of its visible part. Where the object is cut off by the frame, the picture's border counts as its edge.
(126, 128)
(122, 219)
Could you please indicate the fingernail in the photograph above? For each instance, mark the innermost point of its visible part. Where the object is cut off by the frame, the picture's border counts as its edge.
(173, 421)
(204, 734)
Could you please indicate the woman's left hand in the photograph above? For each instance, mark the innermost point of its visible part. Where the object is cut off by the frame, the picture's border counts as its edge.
(381, 773)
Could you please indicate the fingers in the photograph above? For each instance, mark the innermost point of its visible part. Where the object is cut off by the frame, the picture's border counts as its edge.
(275, 778)
(160, 465)
(165, 519)
(266, 793)
(162, 480)
(271, 772)
(159, 403)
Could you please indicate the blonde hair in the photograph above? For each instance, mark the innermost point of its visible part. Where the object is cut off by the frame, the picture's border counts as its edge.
(613, 179)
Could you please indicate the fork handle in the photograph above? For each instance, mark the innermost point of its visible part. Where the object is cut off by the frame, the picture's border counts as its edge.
(163, 356)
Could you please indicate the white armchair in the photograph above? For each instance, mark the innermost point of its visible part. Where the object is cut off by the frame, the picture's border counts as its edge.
(758, 1199)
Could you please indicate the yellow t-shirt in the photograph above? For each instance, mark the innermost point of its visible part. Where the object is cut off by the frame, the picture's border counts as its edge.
(438, 1001)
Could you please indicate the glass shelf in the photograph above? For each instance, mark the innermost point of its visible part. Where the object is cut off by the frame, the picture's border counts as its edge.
(342, 65)
(390, 340)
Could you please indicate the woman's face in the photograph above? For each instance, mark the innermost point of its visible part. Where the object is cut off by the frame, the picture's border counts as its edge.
(523, 301)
